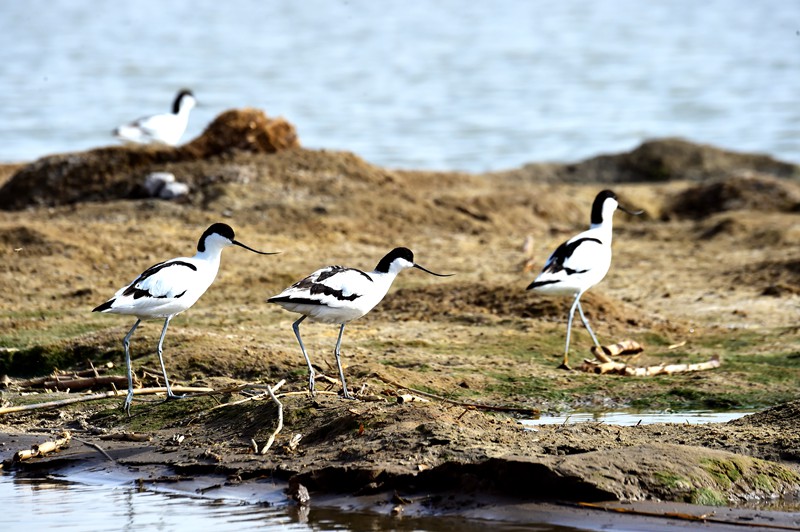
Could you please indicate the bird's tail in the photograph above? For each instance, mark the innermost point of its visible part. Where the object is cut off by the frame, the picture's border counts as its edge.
(105, 306)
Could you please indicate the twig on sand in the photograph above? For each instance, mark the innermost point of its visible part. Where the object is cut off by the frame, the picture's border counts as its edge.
(101, 395)
(270, 391)
(271, 439)
(478, 406)
(97, 447)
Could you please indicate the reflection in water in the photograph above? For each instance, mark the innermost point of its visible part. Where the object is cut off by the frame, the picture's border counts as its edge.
(53, 504)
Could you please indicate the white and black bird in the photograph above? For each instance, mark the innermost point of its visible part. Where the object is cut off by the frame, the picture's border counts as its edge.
(581, 262)
(167, 128)
(168, 288)
(336, 294)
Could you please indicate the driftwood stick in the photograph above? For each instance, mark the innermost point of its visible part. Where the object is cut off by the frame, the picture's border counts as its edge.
(42, 449)
(81, 383)
(478, 406)
(604, 367)
(40, 381)
(670, 369)
(305, 392)
(601, 356)
(126, 436)
(408, 398)
(622, 368)
(271, 439)
(625, 347)
(101, 395)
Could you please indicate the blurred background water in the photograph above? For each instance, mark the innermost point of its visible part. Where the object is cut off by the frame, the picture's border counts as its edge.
(436, 84)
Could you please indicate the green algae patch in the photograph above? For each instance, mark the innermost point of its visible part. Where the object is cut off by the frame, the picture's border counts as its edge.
(680, 473)
(723, 480)
(724, 472)
(672, 481)
(707, 497)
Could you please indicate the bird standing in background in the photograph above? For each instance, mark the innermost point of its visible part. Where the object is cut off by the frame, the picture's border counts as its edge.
(581, 262)
(167, 128)
(336, 294)
(168, 288)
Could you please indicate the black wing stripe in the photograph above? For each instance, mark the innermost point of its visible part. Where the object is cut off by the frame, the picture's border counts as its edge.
(315, 289)
(564, 252)
(136, 292)
(333, 270)
(537, 284)
(296, 300)
(328, 291)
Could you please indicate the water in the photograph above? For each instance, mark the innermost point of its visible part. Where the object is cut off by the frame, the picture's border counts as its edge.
(439, 84)
(638, 418)
(100, 504)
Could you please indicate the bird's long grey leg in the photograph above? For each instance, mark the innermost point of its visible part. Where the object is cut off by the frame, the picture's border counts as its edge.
(586, 324)
(126, 343)
(565, 364)
(170, 395)
(311, 375)
(339, 363)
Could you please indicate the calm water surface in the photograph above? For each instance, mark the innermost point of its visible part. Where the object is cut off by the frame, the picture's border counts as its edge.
(442, 84)
(52, 504)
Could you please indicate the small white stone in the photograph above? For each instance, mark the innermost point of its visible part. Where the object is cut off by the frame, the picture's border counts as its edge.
(154, 183)
(173, 190)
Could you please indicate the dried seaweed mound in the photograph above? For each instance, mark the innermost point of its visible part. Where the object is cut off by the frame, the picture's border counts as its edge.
(115, 172)
(755, 192)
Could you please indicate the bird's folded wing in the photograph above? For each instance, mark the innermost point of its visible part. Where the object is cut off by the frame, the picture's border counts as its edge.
(163, 280)
(574, 256)
(151, 125)
(332, 286)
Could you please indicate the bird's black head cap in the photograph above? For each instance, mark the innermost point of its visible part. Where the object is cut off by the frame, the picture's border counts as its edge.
(396, 253)
(176, 105)
(597, 206)
(221, 229)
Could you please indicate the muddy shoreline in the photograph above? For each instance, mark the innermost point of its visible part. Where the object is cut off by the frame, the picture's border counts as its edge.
(378, 445)
(498, 489)
(694, 278)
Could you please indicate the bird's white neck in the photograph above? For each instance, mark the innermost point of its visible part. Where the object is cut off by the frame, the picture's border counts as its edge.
(603, 230)
(184, 109)
(211, 255)
(386, 278)
(383, 281)
(183, 114)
